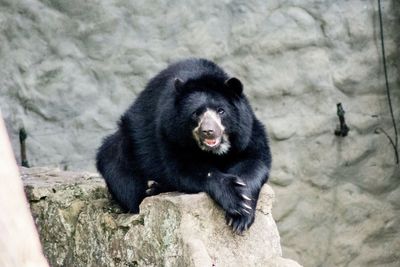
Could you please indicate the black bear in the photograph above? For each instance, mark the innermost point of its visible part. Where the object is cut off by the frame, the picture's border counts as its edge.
(191, 130)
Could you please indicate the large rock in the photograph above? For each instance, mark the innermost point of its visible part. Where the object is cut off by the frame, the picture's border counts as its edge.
(68, 69)
(79, 226)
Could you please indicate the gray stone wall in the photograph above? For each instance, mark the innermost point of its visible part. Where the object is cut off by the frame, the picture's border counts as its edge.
(68, 69)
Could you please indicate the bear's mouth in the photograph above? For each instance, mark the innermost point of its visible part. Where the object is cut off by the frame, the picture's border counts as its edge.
(212, 143)
(218, 145)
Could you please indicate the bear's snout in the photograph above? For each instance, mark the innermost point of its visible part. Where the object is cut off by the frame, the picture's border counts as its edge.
(210, 133)
(210, 129)
(210, 126)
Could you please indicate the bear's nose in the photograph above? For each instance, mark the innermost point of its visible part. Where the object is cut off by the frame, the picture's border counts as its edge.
(208, 133)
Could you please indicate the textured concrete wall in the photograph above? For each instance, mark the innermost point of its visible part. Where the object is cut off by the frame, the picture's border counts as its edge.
(68, 69)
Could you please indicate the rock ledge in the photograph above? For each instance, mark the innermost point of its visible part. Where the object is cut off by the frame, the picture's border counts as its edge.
(80, 226)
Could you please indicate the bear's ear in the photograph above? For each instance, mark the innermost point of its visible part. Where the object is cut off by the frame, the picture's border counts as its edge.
(235, 85)
(178, 84)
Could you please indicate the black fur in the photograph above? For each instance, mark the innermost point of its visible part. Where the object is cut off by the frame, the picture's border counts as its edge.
(154, 141)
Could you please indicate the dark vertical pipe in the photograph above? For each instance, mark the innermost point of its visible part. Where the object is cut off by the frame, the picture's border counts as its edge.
(22, 139)
(343, 129)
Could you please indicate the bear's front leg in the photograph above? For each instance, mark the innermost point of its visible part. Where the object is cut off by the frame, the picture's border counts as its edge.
(235, 190)
(229, 191)
(233, 195)
(254, 173)
(241, 221)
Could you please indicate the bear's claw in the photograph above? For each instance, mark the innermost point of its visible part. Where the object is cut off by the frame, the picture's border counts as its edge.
(240, 182)
(245, 197)
(239, 223)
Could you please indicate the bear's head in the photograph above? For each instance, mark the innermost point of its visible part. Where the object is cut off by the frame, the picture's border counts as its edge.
(213, 114)
(209, 132)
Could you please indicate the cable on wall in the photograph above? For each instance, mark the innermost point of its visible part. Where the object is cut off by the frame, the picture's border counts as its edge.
(395, 142)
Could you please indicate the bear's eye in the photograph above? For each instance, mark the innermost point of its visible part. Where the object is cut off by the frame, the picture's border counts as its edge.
(196, 114)
(220, 111)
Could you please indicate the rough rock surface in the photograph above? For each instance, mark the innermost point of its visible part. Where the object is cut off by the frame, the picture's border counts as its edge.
(68, 69)
(79, 226)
